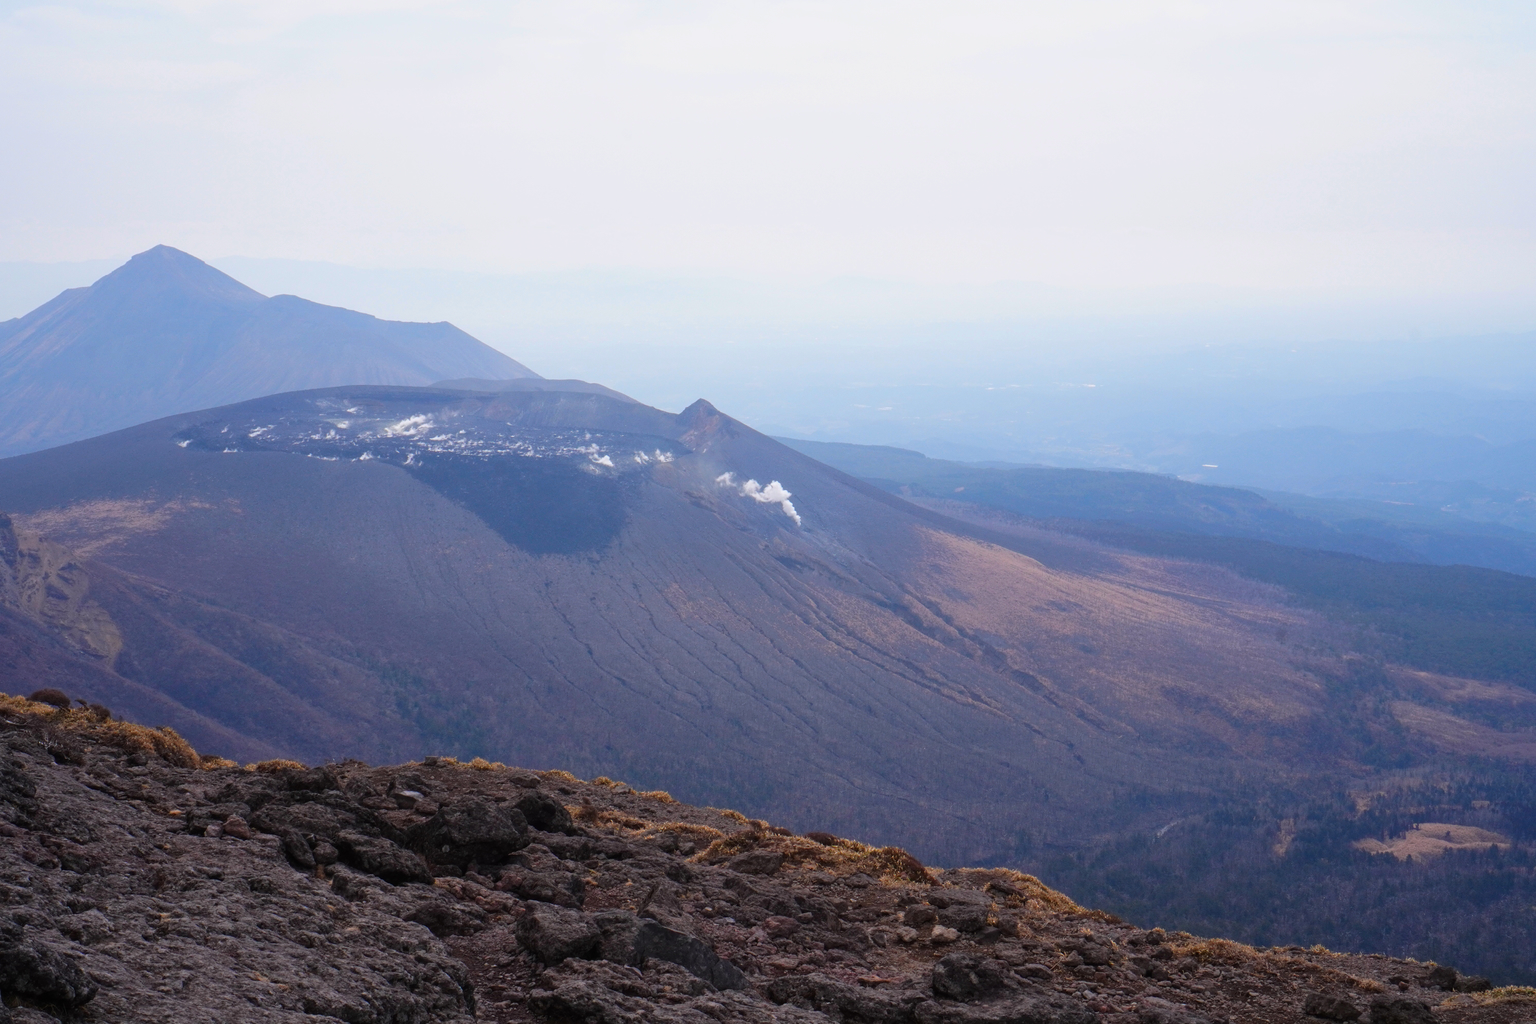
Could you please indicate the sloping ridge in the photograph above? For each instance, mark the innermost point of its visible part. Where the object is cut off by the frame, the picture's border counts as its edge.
(166, 333)
(568, 578)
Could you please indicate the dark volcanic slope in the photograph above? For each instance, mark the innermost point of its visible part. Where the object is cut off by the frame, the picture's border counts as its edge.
(166, 333)
(141, 883)
(562, 578)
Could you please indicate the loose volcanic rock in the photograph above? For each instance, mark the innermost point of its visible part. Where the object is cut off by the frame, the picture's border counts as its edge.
(1318, 1004)
(965, 977)
(33, 971)
(382, 858)
(470, 832)
(545, 813)
(122, 875)
(1400, 1010)
(555, 934)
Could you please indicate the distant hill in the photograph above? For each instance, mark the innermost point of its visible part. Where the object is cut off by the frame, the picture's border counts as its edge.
(166, 333)
(1154, 502)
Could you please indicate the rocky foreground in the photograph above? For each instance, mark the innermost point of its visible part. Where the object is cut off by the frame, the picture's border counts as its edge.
(140, 882)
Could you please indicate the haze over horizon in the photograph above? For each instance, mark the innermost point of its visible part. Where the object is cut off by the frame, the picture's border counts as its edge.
(1358, 148)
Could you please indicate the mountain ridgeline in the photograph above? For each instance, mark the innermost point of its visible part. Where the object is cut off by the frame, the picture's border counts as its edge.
(166, 333)
(1185, 703)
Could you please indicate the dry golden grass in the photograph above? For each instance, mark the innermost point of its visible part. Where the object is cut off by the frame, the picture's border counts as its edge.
(557, 775)
(1507, 994)
(699, 835)
(1033, 894)
(659, 795)
(1223, 951)
(277, 764)
(163, 742)
(841, 857)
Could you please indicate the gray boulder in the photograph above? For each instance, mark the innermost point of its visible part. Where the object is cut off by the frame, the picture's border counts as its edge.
(40, 974)
(1400, 1010)
(545, 813)
(382, 858)
(554, 934)
(964, 977)
(1319, 1004)
(470, 832)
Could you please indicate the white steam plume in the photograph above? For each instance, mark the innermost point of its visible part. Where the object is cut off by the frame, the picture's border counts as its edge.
(773, 494)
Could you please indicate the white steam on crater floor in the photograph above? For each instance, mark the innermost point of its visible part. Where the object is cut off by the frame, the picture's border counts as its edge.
(773, 494)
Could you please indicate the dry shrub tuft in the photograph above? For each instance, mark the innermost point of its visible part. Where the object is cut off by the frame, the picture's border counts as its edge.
(142, 739)
(1025, 888)
(659, 795)
(163, 742)
(1217, 951)
(557, 775)
(1507, 994)
(215, 761)
(603, 780)
(480, 764)
(726, 812)
(696, 834)
(611, 817)
(844, 857)
(277, 764)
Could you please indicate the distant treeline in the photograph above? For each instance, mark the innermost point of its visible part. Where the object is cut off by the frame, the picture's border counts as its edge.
(1219, 873)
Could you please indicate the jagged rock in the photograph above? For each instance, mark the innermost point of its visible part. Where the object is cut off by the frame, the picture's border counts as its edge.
(443, 918)
(964, 917)
(697, 957)
(778, 927)
(470, 832)
(1161, 1011)
(918, 916)
(553, 934)
(382, 858)
(757, 862)
(605, 993)
(36, 972)
(545, 813)
(1400, 1010)
(558, 887)
(1442, 977)
(1009, 1011)
(842, 1002)
(315, 780)
(26, 1015)
(298, 851)
(1319, 1004)
(1472, 983)
(965, 977)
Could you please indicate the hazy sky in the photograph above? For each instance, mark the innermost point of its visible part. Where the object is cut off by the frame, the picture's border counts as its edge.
(1338, 144)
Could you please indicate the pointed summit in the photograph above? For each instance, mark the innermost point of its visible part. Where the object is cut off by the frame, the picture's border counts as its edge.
(166, 270)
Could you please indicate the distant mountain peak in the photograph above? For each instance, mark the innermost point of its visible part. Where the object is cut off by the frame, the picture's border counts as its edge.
(166, 333)
(165, 269)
